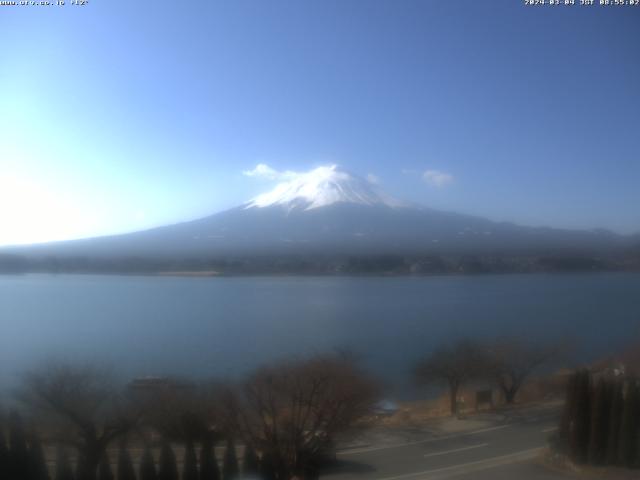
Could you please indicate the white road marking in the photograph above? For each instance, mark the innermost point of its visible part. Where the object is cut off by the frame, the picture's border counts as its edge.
(462, 449)
(469, 467)
(428, 440)
(550, 429)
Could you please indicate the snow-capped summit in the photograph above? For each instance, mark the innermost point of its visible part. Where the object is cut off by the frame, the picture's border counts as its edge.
(321, 187)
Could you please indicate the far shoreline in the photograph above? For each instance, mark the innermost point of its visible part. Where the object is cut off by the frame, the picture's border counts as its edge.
(187, 273)
(218, 274)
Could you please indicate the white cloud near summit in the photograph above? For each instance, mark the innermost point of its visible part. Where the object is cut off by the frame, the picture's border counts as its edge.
(373, 179)
(262, 170)
(436, 178)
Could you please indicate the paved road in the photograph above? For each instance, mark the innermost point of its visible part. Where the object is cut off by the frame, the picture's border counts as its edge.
(506, 451)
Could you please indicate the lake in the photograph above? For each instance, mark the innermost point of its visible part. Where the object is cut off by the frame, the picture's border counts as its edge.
(225, 326)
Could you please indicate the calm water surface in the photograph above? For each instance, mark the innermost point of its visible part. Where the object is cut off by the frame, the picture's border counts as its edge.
(226, 326)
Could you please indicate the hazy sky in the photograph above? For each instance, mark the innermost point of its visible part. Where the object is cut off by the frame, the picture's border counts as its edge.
(121, 115)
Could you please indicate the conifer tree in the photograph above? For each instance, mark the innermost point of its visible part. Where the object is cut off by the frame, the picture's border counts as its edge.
(190, 465)
(209, 469)
(628, 446)
(615, 416)
(18, 451)
(125, 464)
(268, 466)
(310, 470)
(167, 470)
(599, 422)
(63, 470)
(230, 468)
(579, 438)
(4, 456)
(147, 465)
(37, 463)
(81, 467)
(251, 463)
(104, 468)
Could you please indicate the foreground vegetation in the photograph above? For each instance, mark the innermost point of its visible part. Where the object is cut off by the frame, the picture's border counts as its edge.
(601, 420)
(284, 421)
(291, 413)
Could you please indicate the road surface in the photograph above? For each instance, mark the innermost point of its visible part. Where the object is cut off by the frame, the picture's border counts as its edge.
(502, 451)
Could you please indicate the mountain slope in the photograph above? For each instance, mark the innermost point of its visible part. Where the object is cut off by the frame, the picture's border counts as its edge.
(329, 211)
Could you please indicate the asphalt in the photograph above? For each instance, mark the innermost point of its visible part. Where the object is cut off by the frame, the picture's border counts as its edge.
(507, 447)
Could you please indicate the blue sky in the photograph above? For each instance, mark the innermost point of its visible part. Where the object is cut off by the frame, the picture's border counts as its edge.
(123, 115)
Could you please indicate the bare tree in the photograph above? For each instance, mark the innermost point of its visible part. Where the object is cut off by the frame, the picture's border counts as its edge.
(511, 361)
(452, 366)
(81, 407)
(293, 411)
(183, 411)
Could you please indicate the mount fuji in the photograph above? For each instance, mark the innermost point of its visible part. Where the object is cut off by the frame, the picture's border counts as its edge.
(330, 212)
(322, 187)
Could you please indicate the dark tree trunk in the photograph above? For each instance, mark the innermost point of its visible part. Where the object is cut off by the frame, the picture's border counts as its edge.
(168, 470)
(104, 470)
(628, 431)
(125, 465)
(63, 465)
(268, 469)
(510, 395)
(581, 422)
(190, 463)
(89, 459)
(18, 452)
(147, 465)
(208, 463)
(4, 457)
(250, 465)
(615, 416)
(37, 463)
(599, 422)
(230, 468)
(510, 383)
